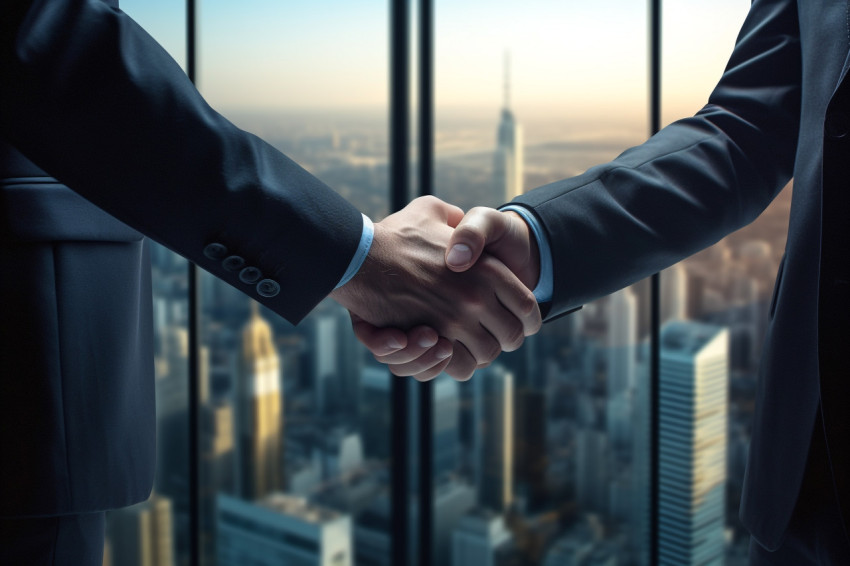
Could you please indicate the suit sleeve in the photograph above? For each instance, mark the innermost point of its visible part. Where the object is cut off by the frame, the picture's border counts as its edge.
(695, 181)
(92, 99)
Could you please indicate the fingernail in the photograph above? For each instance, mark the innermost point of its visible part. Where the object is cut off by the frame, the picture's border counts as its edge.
(427, 341)
(443, 353)
(394, 344)
(459, 255)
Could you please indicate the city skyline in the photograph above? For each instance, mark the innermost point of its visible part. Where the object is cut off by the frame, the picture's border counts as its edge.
(571, 498)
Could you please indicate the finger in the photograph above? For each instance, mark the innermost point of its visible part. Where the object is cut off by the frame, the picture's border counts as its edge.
(462, 364)
(449, 213)
(433, 356)
(516, 299)
(433, 372)
(379, 341)
(503, 326)
(420, 340)
(479, 228)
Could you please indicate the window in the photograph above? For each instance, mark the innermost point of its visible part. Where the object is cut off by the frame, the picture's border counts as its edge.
(545, 456)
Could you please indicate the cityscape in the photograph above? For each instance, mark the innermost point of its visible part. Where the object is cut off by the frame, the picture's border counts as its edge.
(540, 459)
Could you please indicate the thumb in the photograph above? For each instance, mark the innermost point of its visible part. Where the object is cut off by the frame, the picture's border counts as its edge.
(480, 228)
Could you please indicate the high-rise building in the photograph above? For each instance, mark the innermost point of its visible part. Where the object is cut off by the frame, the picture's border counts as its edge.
(622, 341)
(478, 539)
(446, 426)
(508, 162)
(281, 529)
(260, 411)
(674, 293)
(375, 418)
(591, 470)
(143, 534)
(493, 436)
(452, 500)
(692, 408)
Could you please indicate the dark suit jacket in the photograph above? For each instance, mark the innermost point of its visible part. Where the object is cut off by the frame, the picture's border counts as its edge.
(88, 96)
(780, 109)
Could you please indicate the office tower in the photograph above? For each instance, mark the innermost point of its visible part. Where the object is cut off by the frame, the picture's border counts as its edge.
(375, 418)
(452, 500)
(324, 360)
(446, 426)
(142, 534)
(622, 341)
(530, 455)
(591, 470)
(218, 464)
(260, 411)
(674, 293)
(478, 539)
(508, 162)
(493, 437)
(281, 529)
(692, 447)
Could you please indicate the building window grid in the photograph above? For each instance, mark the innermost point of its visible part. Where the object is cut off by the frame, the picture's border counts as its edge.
(400, 106)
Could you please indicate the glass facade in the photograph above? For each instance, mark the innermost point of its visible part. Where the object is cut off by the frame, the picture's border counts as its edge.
(540, 459)
(552, 465)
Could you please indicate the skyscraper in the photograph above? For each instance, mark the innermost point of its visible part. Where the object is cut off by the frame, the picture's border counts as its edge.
(446, 426)
(281, 529)
(260, 411)
(142, 534)
(692, 448)
(493, 436)
(478, 539)
(508, 163)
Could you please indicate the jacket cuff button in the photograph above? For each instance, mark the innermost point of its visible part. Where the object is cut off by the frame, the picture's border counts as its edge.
(268, 288)
(233, 263)
(215, 251)
(250, 275)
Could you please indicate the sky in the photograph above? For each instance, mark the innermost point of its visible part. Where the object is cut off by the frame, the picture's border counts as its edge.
(570, 56)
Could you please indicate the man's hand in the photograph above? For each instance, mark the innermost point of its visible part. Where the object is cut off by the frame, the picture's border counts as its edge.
(504, 235)
(480, 310)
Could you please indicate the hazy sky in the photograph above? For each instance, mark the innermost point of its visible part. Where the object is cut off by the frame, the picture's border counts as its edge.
(577, 56)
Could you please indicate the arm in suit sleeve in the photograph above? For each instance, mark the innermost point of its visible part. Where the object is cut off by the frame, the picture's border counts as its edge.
(92, 99)
(689, 185)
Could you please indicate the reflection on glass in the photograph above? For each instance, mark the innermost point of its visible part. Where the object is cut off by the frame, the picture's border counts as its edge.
(296, 419)
(553, 460)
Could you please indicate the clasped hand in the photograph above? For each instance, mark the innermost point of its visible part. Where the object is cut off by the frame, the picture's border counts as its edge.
(429, 299)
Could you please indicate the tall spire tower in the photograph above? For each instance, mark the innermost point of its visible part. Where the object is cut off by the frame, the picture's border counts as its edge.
(261, 416)
(508, 162)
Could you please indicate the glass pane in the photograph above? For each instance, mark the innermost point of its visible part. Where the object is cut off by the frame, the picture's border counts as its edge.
(159, 527)
(716, 301)
(296, 420)
(541, 459)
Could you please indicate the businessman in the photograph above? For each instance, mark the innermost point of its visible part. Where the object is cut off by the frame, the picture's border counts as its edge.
(781, 109)
(104, 139)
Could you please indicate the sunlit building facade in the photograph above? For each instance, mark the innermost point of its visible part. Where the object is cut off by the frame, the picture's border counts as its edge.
(692, 444)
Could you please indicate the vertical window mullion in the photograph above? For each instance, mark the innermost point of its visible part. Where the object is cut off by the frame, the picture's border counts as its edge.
(194, 342)
(399, 171)
(426, 390)
(655, 290)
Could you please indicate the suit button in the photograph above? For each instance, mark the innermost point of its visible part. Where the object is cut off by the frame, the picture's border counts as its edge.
(268, 288)
(233, 263)
(216, 252)
(250, 275)
(837, 125)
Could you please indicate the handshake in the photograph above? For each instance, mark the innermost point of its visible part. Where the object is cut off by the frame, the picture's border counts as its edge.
(443, 291)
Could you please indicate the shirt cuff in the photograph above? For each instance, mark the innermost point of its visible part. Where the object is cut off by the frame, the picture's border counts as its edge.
(362, 251)
(545, 285)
